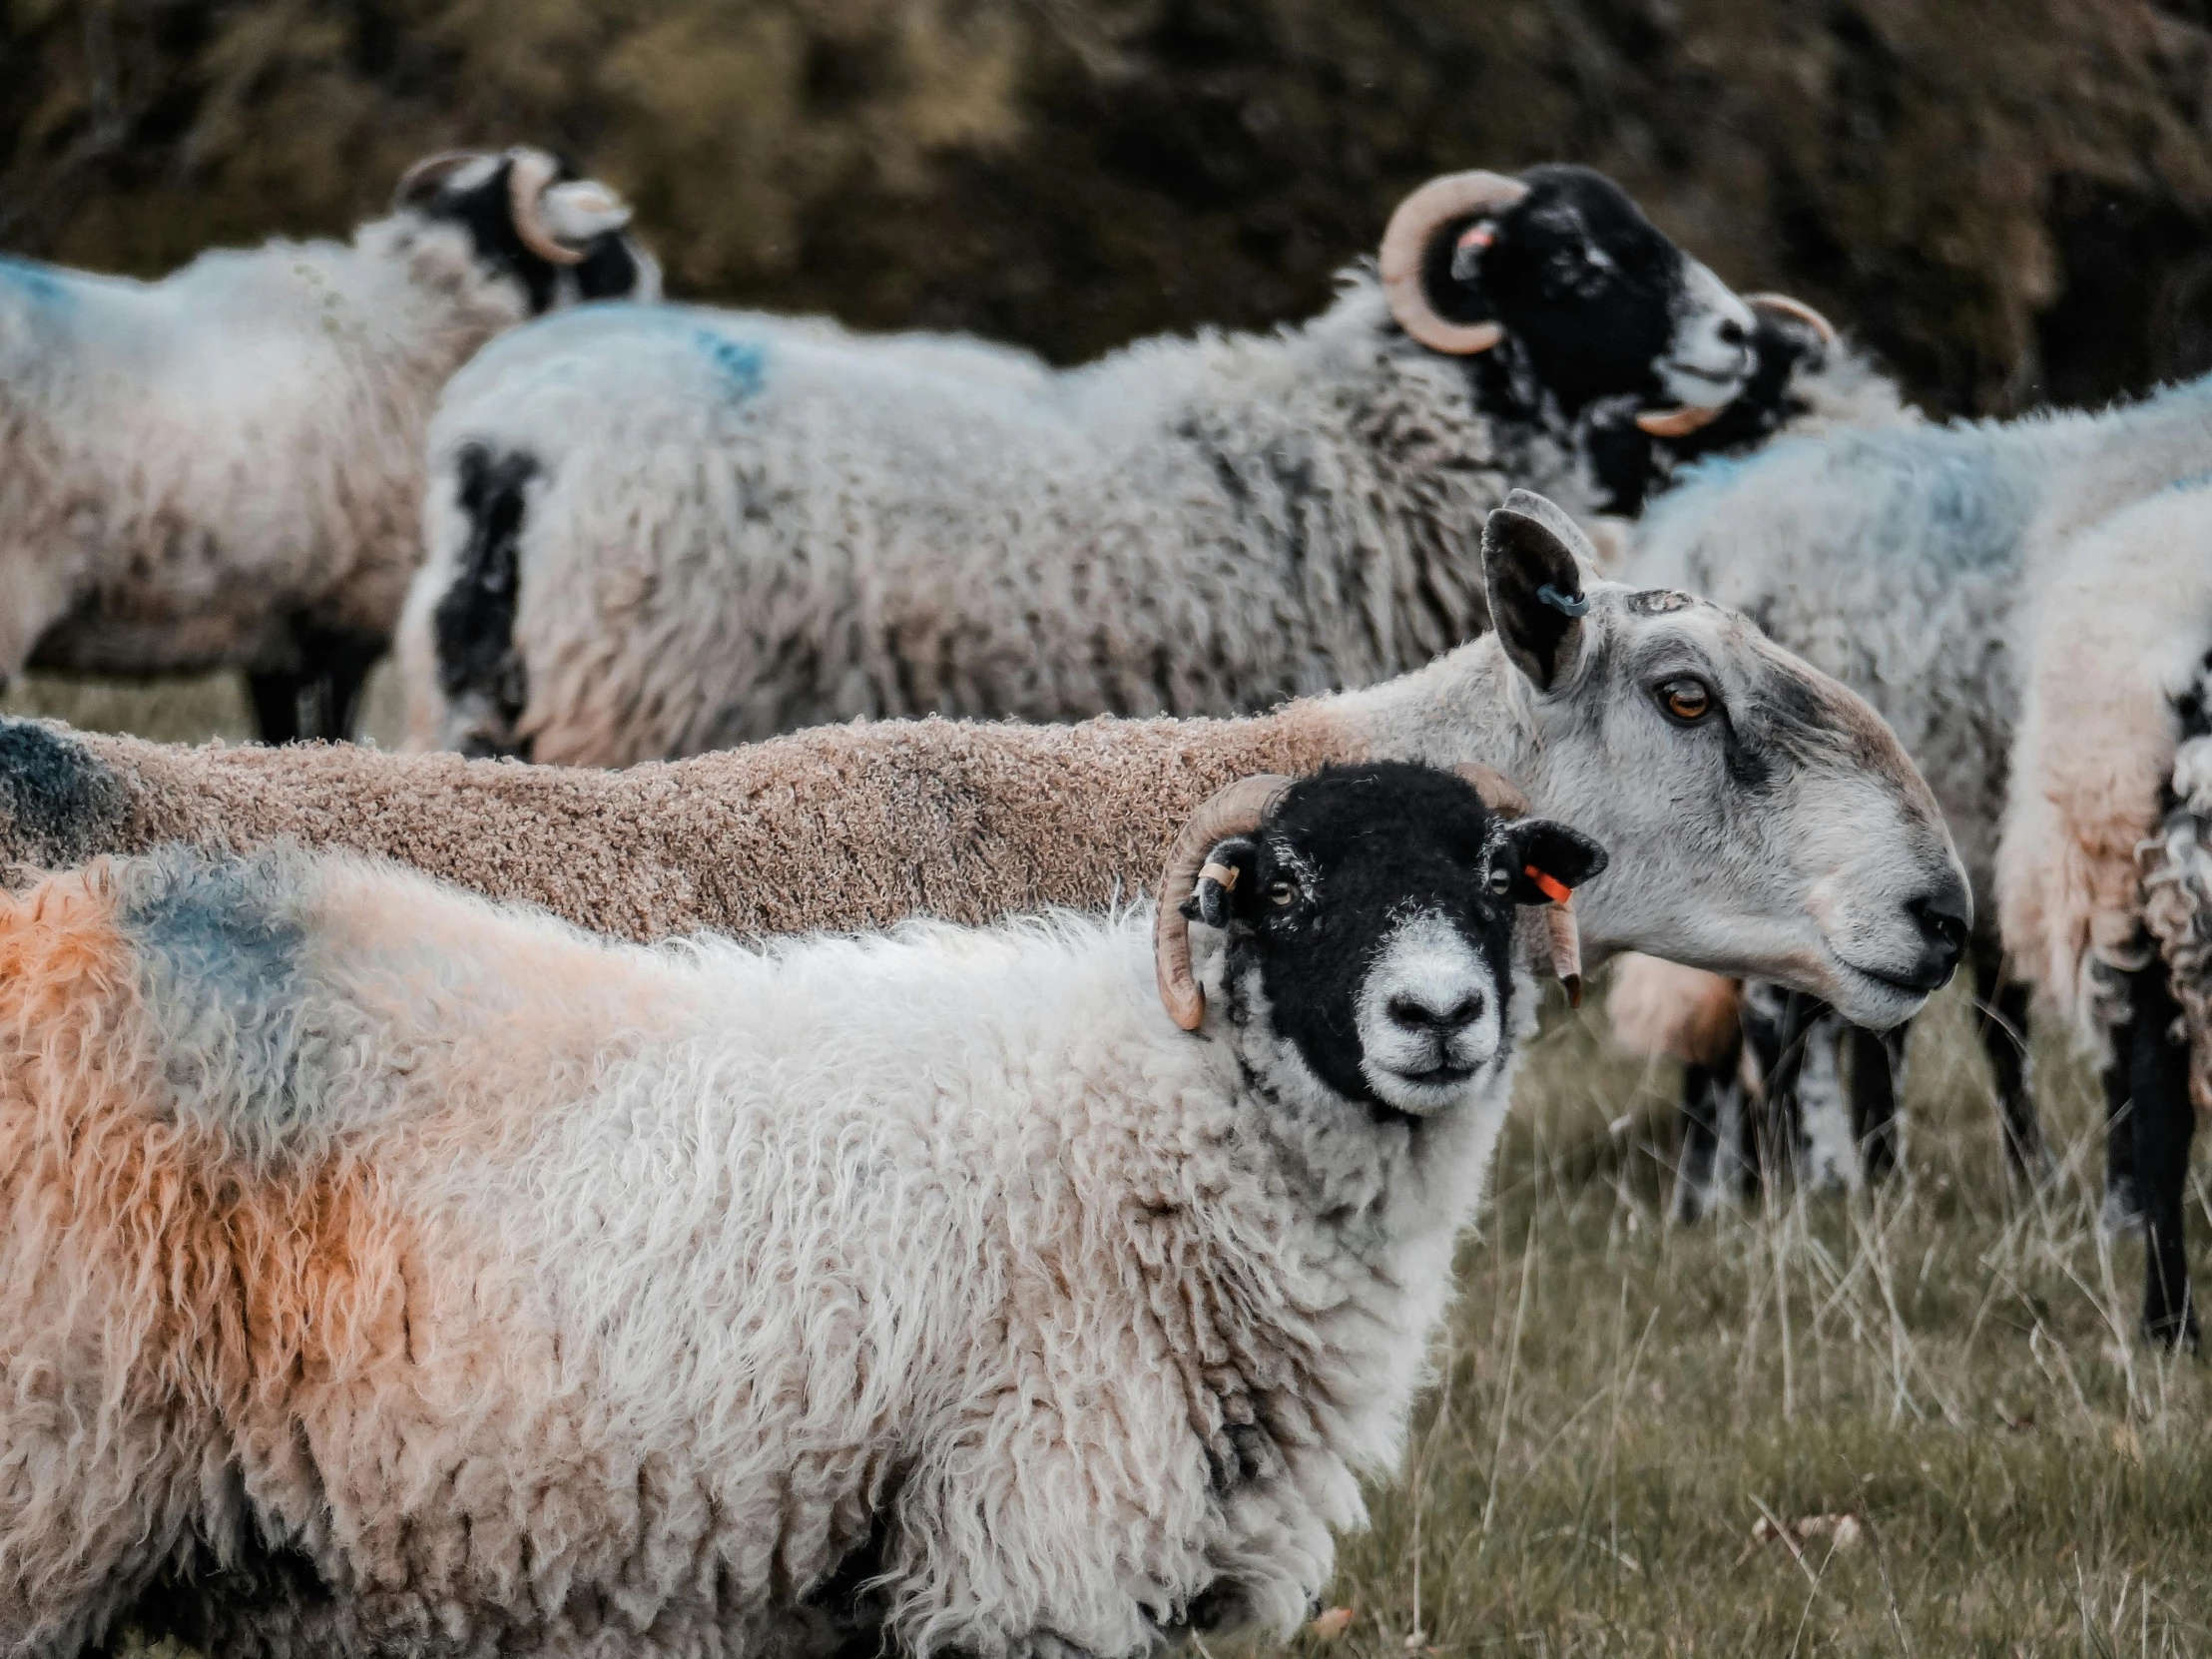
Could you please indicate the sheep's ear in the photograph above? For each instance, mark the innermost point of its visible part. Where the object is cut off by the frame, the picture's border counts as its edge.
(1544, 861)
(1532, 555)
(1223, 884)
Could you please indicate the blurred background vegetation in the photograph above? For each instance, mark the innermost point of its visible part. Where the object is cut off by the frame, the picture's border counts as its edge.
(2007, 198)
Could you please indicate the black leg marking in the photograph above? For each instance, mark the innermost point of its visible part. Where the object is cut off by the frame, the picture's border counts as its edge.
(2164, 1121)
(277, 693)
(1877, 1070)
(1781, 1128)
(2000, 1021)
(2123, 1201)
(1699, 1164)
(318, 698)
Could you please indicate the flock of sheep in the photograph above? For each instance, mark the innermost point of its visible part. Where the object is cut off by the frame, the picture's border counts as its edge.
(702, 1155)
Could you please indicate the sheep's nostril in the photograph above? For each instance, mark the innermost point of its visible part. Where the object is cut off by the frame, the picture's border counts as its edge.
(1415, 1015)
(1731, 332)
(1941, 925)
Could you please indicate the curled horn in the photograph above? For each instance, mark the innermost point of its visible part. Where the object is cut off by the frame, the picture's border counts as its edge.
(1780, 304)
(1230, 810)
(426, 172)
(1678, 423)
(1504, 797)
(527, 176)
(1498, 792)
(1406, 247)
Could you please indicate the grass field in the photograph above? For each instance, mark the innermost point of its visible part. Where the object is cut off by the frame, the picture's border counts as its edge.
(1622, 1403)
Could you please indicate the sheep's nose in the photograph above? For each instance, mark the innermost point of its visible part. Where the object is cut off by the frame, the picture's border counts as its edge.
(1942, 919)
(1731, 332)
(1414, 1013)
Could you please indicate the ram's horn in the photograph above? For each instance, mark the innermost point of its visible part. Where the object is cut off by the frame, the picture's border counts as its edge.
(1567, 951)
(1561, 937)
(1406, 250)
(1231, 810)
(1498, 792)
(1780, 304)
(1678, 423)
(528, 175)
(426, 172)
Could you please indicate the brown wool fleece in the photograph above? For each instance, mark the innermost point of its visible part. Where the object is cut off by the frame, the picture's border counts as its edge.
(845, 827)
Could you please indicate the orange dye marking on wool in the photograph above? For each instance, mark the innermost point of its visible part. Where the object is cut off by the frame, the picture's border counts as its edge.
(233, 1278)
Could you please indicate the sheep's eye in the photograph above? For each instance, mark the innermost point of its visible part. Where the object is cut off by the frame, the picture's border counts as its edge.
(1685, 699)
(1500, 879)
(1282, 892)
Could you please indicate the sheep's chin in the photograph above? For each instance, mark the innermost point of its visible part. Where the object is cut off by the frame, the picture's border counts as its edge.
(1419, 1098)
(1867, 1000)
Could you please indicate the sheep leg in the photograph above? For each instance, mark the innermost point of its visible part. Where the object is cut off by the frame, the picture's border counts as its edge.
(2000, 1022)
(1876, 1076)
(275, 695)
(2164, 1121)
(2123, 1203)
(320, 699)
(1703, 1106)
(1781, 1136)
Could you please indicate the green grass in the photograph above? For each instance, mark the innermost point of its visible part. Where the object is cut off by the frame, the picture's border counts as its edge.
(1621, 1400)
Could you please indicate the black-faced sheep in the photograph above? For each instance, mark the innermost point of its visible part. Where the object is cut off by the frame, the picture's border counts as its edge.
(1720, 819)
(655, 533)
(223, 468)
(391, 1271)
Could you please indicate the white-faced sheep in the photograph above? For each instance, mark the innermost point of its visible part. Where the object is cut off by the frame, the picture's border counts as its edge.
(2104, 871)
(389, 1272)
(1720, 822)
(655, 533)
(1897, 560)
(223, 468)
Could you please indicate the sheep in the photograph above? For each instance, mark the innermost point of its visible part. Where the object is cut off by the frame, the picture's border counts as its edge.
(1712, 765)
(656, 533)
(223, 468)
(2102, 873)
(1897, 559)
(392, 1271)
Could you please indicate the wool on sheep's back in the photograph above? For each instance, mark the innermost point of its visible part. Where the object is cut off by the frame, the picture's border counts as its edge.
(447, 1258)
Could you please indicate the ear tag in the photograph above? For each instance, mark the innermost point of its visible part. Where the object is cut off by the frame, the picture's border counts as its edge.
(1550, 887)
(1221, 876)
(1475, 237)
(1566, 604)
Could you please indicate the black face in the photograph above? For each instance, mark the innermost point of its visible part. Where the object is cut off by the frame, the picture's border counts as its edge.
(482, 207)
(1632, 465)
(1781, 345)
(1588, 290)
(1341, 860)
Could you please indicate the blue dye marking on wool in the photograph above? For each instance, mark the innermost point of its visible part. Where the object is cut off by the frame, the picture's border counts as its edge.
(39, 284)
(219, 965)
(59, 805)
(740, 362)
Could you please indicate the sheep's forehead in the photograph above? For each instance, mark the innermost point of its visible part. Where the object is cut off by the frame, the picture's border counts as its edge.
(1764, 683)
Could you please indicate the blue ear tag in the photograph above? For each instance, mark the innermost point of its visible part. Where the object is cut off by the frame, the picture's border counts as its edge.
(1566, 604)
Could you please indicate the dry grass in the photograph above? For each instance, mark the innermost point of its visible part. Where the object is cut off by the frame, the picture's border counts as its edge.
(179, 711)
(1624, 1400)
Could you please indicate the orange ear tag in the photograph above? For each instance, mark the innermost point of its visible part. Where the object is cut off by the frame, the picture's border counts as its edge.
(1551, 886)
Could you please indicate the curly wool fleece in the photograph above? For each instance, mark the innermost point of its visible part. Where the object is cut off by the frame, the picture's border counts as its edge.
(391, 1271)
